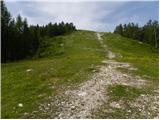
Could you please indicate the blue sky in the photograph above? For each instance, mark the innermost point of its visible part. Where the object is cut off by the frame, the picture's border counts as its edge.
(91, 15)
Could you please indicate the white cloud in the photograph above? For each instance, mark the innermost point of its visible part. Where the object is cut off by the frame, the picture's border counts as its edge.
(90, 15)
(85, 15)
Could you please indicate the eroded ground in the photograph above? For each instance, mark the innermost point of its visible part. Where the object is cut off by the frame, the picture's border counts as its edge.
(109, 93)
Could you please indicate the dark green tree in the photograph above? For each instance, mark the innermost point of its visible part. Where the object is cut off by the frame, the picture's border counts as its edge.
(149, 33)
(19, 40)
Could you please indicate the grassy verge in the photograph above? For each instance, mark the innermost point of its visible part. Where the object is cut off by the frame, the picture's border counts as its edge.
(50, 75)
(145, 59)
(140, 55)
(126, 102)
(118, 92)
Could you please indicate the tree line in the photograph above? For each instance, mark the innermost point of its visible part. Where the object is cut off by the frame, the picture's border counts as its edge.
(149, 33)
(20, 40)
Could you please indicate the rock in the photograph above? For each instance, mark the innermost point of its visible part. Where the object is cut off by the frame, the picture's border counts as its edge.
(129, 111)
(73, 107)
(62, 103)
(34, 111)
(47, 108)
(125, 75)
(142, 95)
(60, 115)
(111, 55)
(139, 109)
(115, 105)
(20, 105)
(82, 93)
(94, 70)
(133, 69)
(29, 70)
(26, 113)
(109, 66)
(156, 117)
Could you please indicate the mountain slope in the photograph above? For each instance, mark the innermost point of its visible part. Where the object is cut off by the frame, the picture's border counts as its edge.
(143, 56)
(31, 81)
(69, 64)
(133, 71)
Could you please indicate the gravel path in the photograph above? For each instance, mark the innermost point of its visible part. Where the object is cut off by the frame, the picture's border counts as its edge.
(90, 95)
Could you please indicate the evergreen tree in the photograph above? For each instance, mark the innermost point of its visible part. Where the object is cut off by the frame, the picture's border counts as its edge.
(149, 33)
(19, 40)
(119, 29)
(5, 20)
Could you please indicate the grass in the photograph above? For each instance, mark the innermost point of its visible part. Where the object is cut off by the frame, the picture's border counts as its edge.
(120, 114)
(142, 56)
(65, 62)
(125, 94)
(51, 74)
(118, 92)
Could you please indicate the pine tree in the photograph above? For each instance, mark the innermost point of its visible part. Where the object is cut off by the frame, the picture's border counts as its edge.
(5, 20)
(149, 33)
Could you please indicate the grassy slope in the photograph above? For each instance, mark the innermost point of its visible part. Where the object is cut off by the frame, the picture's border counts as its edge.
(141, 56)
(69, 64)
(79, 54)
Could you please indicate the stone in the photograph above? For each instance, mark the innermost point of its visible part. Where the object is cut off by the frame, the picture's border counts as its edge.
(129, 111)
(115, 105)
(73, 107)
(20, 105)
(26, 113)
(29, 70)
(82, 93)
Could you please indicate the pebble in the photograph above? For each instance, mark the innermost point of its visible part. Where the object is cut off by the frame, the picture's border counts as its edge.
(140, 109)
(26, 113)
(73, 107)
(115, 105)
(94, 70)
(20, 105)
(129, 111)
(29, 70)
(133, 69)
(142, 95)
(82, 93)
(47, 108)
(125, 75)
(34, 111)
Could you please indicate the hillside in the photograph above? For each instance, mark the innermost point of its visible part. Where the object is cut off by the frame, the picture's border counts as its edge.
(86, 74)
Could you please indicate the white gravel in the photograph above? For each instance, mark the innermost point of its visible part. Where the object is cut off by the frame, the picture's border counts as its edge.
(91, 94)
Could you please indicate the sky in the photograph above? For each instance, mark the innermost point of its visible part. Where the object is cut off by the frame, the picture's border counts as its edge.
(96, 15)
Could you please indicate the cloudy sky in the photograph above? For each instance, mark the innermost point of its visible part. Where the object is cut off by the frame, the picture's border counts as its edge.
(99, 15)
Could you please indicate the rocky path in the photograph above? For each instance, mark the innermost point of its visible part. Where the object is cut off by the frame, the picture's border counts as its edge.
(109, 54)
(90, 95)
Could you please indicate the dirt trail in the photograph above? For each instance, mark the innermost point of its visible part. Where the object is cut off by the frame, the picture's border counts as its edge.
(90, 95)
(110, 54)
